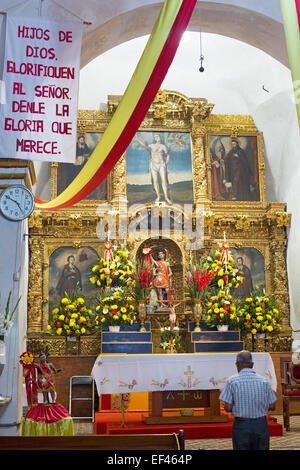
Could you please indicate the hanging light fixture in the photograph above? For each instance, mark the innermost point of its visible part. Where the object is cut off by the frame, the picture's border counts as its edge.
(201, 69)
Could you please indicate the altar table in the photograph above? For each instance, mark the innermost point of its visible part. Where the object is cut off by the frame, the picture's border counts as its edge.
(204, 374)
(156, 372)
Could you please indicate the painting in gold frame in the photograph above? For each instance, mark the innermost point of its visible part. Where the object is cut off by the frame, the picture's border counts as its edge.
(68, 270)
(234, 164)
(251, 265)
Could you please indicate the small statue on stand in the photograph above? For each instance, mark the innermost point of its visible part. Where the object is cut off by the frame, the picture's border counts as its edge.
(48, 418)
(45, 379)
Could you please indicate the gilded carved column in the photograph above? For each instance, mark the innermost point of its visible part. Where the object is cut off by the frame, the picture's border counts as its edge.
(35, 286)
(279, 278)
(199, 164)
(119, 181)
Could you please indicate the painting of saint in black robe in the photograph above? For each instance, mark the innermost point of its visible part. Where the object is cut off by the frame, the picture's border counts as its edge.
(234, 168)
(70, 278)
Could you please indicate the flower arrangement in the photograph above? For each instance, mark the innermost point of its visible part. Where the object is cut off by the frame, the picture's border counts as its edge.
(115, 308)
(113, 271)
(260, 314)
(197, 281)
(165, 338)
(72, 317)
(6, 317)
(221, 310)
(224, 271)
(143, 282)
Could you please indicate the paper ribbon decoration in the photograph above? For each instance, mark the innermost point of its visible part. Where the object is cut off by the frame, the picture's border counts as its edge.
(225, 253)
(108, 256)
(137, 99)
(29, 373)
(291, 21)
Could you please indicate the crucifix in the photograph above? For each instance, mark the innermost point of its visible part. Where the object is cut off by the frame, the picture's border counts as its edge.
(172, 314)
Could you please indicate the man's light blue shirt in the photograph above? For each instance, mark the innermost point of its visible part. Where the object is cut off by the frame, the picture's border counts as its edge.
(249, 393)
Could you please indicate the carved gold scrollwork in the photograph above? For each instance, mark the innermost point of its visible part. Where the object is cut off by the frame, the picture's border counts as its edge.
(283, 219)
(242, 222)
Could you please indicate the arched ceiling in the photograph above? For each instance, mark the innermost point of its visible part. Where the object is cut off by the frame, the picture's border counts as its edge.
(239, 23)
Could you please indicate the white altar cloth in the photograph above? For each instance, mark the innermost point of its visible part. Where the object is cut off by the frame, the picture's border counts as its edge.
(156, 372)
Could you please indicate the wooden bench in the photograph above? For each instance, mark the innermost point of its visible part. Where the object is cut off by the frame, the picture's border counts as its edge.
(99, 442)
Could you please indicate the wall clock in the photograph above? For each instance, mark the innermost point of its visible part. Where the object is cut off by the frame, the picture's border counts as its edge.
(16, 202)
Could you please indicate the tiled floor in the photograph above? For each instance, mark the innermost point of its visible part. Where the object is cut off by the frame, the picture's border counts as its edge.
(289, 441)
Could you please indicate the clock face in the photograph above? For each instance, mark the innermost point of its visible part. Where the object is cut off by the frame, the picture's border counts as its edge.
(16, 202)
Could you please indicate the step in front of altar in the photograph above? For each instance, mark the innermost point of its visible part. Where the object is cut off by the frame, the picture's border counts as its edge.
(210, 340)
(129, 340)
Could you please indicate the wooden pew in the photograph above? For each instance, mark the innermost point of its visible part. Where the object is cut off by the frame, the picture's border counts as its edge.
(95, 442)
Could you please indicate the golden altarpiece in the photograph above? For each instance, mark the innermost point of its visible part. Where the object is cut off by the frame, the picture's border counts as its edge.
(253, 227)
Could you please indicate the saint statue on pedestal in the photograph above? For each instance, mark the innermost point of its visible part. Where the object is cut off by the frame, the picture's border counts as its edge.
(163, 279)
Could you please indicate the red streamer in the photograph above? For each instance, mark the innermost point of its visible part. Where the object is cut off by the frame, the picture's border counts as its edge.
(298, 10)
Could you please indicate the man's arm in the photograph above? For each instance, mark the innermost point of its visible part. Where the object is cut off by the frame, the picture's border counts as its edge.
(272, 406)
(227, 407)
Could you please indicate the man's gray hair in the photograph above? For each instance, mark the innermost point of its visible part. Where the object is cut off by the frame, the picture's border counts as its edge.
(244, 357)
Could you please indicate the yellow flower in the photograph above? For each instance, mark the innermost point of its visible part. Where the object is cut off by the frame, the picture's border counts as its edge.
(260, 318)
(82, 319)
(220, 282)
(209, 304)
(102, 320)
(83, 330)
(80, 300)
(61, 317)
(208, 317)
(269, 317)
(56, 310)
(216, 310)
(93, 280)
(58, 331)
(220, 272)
(48, 327)
(266, 299)
(114, 307)
(65, 301)
(123, 310)
(74, 315)
(95, 268)
(98, 308)
(270, 328)
(72, 323)
(249, 299)
(221, 315)
(253, 331)
(115, 317)
(124, 317)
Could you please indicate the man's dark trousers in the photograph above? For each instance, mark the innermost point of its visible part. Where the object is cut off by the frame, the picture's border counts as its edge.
(250, 434)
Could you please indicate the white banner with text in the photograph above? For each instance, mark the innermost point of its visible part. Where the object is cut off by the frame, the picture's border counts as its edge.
(38, 109)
